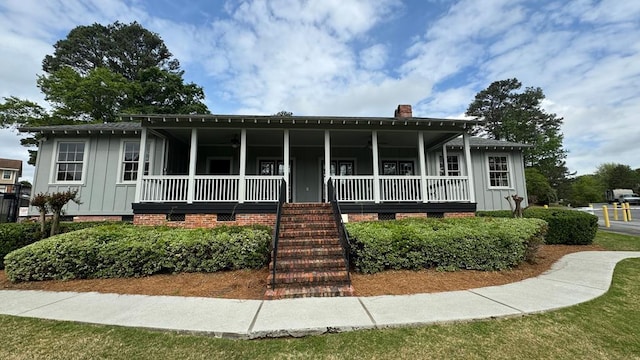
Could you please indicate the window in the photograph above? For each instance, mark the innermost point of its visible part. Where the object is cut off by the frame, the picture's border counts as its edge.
(499, 171)
(340, 168)
(69, 162)
(396, 167)
(453, 165)
(6, 175)
(130, 156)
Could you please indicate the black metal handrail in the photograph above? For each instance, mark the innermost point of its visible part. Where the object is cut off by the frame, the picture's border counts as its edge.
(342, 231)
(276, 232)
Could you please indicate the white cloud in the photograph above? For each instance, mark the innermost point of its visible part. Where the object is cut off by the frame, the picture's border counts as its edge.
(343, 58)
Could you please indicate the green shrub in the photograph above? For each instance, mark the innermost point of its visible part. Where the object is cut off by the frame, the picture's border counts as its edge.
(570, 227)
(125, 250)
(448, 244)
(16, 235)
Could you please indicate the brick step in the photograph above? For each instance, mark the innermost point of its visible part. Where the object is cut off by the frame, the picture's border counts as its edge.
(308, 218)
(304, 226)
(309, 210)
(307, 205)
(297, 252)
(307, 243)
(306, 278)
(309, 291)
(308, 233)
(323, 264)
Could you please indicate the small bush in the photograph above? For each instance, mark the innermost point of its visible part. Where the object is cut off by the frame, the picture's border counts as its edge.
(16, 235)
(126, 251)
(449, 244)
(569, 227)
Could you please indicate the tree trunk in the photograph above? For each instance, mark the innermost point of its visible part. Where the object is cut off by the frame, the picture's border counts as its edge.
(55, 222)
(518, 211)
(43, 218)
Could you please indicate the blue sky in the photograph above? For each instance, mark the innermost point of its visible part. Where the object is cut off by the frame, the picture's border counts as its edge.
(363, 58)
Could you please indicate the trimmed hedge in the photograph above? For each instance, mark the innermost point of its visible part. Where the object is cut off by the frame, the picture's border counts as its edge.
(569, 227)
(447, 244)
(114, 251)
(13, 236)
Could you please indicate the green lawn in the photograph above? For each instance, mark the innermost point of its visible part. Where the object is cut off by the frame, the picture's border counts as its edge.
(607, 327)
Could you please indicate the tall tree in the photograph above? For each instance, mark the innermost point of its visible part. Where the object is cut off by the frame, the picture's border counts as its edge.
(617, 176)
(513, 115)
(99, 71)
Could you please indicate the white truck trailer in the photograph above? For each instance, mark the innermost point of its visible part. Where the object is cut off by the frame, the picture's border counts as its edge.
(622, 196)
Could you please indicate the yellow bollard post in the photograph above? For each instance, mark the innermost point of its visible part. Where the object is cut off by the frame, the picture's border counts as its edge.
(605, 213)
(615, 211)
(624, 213)
(628, 211)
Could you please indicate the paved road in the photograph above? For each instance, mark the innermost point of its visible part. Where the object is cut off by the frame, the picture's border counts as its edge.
(631, 227)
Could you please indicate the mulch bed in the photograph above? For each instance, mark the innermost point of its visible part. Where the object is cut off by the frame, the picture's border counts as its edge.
(251, 284)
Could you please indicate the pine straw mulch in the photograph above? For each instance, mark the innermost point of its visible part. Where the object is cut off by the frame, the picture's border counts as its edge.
(251, 284)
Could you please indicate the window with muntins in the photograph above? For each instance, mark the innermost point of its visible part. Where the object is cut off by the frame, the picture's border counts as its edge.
(499, 171)
(130, 156)
(70, 161)
(6, 175)
(453, 165)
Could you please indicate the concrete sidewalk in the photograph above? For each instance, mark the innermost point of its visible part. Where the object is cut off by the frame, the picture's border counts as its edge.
(576, 278)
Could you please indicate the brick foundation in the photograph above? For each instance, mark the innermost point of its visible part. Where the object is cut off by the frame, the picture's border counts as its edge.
(410, 215)
(459, 215)
(85, 218)
(211, 220)
(204, 220)
(363, 217)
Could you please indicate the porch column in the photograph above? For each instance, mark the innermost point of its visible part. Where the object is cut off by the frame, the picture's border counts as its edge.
(467, 161)
(376, 170)
(445, 161)
(243, 165)
(327, 162)
(193, 153)
(423, 167)
(141, 157)
(286, 162)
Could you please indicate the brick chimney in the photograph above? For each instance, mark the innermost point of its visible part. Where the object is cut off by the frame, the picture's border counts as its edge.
(403, 111)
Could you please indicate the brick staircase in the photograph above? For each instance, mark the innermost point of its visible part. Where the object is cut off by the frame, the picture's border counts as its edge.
(310, 262)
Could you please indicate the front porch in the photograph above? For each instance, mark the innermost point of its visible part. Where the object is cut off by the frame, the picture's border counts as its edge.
(232, 167)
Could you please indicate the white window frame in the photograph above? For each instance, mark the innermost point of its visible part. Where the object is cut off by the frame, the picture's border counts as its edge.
(150, 152)
(4, 172)
(414, 161)
(509, 170)
(54, 161)
(441, 162)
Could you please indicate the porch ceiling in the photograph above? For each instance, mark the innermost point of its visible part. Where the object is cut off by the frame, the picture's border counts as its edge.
(311, 138)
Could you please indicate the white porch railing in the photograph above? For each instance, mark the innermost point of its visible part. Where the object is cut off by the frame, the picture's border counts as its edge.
(402, 188)
(447, 188)
(353, 188)
(161, 188)
(216, 188)
(158, 188)
(262, 187)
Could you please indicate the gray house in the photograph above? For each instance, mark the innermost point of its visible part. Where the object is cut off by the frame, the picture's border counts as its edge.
(200, 170)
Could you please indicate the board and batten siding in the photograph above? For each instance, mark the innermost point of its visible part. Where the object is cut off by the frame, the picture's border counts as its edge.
(101, 192)
(489, 198)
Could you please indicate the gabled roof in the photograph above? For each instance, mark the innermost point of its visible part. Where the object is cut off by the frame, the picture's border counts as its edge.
(10, 164)
(482, 143)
